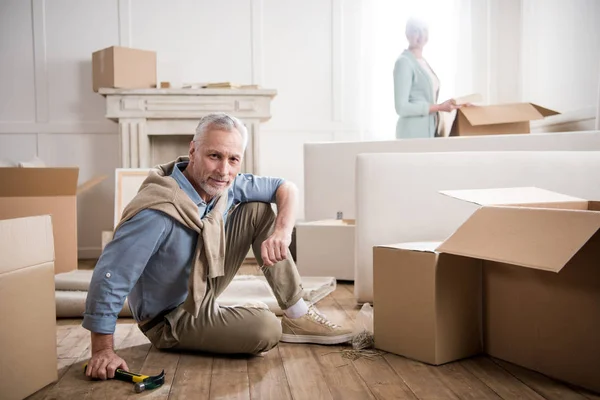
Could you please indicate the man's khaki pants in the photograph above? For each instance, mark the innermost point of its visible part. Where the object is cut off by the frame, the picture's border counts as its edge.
(237, 329)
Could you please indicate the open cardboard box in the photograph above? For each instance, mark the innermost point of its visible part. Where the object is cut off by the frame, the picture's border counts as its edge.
(38, 191)
(497, 119)
(518, 280)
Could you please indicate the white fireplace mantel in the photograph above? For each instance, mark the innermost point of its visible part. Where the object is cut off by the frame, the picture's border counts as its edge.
(162, 114)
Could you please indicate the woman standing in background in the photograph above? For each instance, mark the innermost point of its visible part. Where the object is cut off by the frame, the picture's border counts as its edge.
(416, 88)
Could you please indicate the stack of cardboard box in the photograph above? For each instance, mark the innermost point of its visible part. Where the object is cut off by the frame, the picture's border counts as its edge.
(44, 190)
(28, 334)
(518, 280)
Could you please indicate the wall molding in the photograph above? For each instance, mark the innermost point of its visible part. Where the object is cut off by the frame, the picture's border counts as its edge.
(256, 42)
(74, 127)
(38, 17)
(598, 103)
(337, 60)
(124, 15)
(109, 127)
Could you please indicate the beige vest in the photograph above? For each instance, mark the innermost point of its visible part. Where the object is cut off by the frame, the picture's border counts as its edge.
(161, 192)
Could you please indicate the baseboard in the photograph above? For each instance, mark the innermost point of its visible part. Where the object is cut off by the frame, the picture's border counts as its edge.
(88, 252)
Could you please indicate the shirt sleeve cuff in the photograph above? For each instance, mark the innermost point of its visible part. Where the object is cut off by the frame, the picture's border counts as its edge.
(104, 324)
(280, 182)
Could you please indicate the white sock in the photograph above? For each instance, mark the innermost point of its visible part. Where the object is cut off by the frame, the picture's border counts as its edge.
(297, 310)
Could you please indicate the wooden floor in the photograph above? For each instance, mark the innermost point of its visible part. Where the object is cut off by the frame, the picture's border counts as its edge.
(292, 371)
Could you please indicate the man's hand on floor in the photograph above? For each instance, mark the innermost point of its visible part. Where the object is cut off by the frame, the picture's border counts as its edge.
(104, 363)
(275, 248)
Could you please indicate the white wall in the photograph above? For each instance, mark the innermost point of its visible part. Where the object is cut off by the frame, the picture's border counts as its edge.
(561, 53)
(541, 51)
(306, 50)
(309, 51)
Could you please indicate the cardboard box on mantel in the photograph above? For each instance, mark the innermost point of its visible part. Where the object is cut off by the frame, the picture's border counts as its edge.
(497, 119)
(538, 254)
(27, 306)
(123, 68)
(38, 191)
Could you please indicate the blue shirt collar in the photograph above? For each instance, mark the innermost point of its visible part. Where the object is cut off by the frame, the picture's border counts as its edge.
(185, 184)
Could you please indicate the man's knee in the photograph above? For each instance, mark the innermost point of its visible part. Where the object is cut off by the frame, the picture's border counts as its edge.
(258, 209)
(256, 214)
(267, 333)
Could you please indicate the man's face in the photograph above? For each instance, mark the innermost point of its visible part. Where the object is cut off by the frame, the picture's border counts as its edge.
(215, 162)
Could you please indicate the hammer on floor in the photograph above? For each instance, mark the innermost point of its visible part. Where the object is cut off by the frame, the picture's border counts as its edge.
(142, 382)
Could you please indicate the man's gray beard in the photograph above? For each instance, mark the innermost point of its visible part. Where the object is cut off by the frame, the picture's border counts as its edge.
(211, 190)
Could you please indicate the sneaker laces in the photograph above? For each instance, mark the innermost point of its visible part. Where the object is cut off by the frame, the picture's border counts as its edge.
(320, 318)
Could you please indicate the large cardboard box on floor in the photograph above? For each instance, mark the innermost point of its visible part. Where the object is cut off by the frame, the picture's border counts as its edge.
(427, 306)
(123, 68)
(539, 254)
(497, 119)
(326, 248)
(27, 306)
(38, 191)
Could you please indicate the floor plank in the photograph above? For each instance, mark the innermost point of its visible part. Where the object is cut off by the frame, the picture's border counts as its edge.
(293, 371)
(346, 301)
(546, 387)
(422, 379)
(341, 377)
(192, 378)
(382, 380)
(63, 365)
(463, 383)
(73, 383)
(500, 381)
(229, 378)
(588, 394)
(267, 377)
(303, 373)
(75, 343)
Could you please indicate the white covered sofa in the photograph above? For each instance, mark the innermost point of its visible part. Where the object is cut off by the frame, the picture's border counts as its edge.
(330, 172)
(398, 197)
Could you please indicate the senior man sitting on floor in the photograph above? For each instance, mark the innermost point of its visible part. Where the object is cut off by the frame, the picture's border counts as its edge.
(179, 244)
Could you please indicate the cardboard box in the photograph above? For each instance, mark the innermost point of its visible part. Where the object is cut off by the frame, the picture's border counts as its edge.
(427, 306)
(38, 191)
(123, 68)
(27, 306)
(497, 119)
(326, 248)
(539, 254)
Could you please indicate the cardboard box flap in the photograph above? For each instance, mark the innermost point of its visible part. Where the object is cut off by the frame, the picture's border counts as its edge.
(546, 112)
(516, 196)
(544, 239)
(427, 247)
(90, 184)
(501, 114)
(37, 182)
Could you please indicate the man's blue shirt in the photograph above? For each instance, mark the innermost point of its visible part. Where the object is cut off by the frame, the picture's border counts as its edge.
(150, 256)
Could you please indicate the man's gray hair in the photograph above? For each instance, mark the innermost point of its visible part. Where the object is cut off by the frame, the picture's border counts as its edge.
(220, 121)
